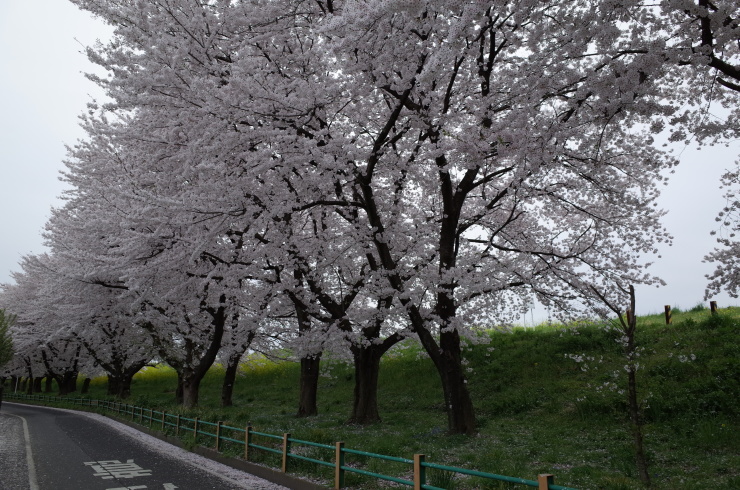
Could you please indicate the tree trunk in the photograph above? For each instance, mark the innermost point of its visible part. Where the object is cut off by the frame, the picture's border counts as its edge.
(85, 386)
(114, 385)
(367, 369)
(636, 419)
(61, 385)
(120, 377)
(49, 387)
(460, 412)
(636, 423)
(190, 388)
(37, 385)
(447, 358)
(29, 386)
(124, 390)
(190, 374)
(179, 397)
(227, 389)
(71, 380)
(309, 386)
(67, 382)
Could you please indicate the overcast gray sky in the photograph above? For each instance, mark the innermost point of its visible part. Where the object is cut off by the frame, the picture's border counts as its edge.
(43, 91)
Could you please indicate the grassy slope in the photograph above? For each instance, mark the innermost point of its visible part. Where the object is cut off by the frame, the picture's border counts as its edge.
(539, 411)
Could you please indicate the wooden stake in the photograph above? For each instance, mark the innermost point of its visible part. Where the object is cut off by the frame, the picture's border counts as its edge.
(668, 315)
(420, 477)
(286, 451)
(338, 463)
(247, 441)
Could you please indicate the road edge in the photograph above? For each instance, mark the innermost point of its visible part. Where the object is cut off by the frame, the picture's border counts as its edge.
(273, 476)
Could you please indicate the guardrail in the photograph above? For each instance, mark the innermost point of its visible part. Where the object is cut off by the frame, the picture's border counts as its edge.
(284, 445)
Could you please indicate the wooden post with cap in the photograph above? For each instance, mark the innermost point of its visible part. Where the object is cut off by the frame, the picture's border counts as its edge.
(338, 463)
(545, 480)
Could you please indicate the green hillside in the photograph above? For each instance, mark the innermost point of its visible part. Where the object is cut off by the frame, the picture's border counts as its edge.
(539, 410)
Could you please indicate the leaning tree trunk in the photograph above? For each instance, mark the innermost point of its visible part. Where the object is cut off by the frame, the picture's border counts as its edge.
(309, 386)
(227, 389)
(178, 390)
(636, 415)
(447, 359)
(232, 368)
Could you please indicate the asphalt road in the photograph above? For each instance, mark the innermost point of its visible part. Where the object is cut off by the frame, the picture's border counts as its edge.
(48, 449)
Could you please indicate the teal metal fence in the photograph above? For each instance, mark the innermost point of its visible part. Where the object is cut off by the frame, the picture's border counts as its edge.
(284, 445)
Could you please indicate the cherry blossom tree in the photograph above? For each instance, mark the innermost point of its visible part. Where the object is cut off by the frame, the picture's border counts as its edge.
(463, 156)
(6, 342)
(40, 333)
(493, 164)
(6, 346)
(702, 43)
(726, 276)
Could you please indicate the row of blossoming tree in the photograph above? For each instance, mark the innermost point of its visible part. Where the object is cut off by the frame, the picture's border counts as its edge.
(337, 176)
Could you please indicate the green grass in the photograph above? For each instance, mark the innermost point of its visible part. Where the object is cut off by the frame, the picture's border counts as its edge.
(538, 410)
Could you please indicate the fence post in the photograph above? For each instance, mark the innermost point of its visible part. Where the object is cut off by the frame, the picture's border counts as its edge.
(247, 441)
(195, 430)
(177, 425)
(713, 307)
(338, 463)
(151, 417)
(286, 450)
(420, 477)
(545, 480)
(164, 414)
(668, 315)
(218, 436)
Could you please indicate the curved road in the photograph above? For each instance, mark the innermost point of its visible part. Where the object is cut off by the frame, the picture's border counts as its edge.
(51, 449)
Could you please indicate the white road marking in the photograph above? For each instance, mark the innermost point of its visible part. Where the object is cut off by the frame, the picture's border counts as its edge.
(115, 469)
(32, 483)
